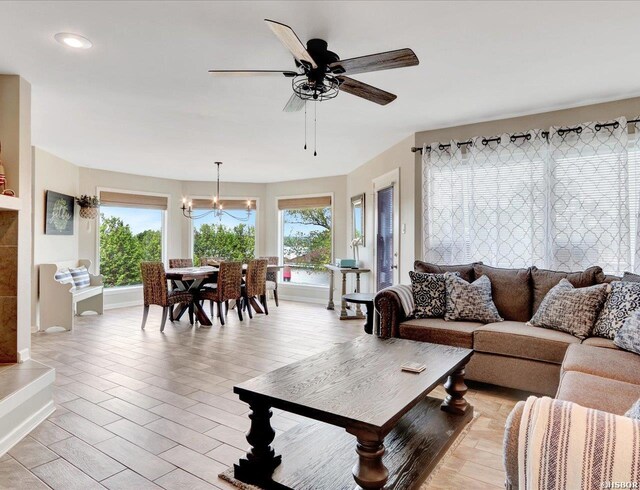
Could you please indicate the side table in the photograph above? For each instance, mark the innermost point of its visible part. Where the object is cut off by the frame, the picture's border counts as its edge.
(344, 313)
(363, 299)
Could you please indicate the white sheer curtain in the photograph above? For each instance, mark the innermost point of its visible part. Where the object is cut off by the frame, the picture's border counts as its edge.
(563, 199)
(589, 219)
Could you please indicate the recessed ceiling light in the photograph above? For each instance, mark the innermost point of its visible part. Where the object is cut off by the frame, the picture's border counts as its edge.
(73, 40)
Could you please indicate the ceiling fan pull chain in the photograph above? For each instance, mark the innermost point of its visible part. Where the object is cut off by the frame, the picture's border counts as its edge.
(315, 129)
(305, 124)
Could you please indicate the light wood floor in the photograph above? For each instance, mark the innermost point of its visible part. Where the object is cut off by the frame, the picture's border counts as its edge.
(144, 410)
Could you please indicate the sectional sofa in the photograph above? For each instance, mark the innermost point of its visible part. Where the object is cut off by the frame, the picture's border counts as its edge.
(514, 354)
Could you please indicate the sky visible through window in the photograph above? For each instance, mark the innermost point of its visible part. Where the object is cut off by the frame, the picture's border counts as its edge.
(138, 219)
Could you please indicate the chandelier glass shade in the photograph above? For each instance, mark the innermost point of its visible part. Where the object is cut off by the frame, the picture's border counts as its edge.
(216, 205)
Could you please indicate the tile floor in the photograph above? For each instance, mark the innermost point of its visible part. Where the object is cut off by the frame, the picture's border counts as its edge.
(144, 410)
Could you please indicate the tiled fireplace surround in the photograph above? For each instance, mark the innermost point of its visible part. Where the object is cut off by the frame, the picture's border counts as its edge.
(8, 286)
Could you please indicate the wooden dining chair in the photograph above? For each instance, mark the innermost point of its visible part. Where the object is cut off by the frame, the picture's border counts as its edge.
(156, 292)
(255, 284)
(272, 277)
(228, 287)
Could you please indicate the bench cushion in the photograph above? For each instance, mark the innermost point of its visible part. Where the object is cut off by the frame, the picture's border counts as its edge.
(439, 331)
(516, 339)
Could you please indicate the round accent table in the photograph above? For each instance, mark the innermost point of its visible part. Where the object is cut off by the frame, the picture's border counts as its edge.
(363, 299)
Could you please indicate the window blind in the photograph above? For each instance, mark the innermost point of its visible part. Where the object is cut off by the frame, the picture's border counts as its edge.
(123, 199)
(304, 202)
(228, 204)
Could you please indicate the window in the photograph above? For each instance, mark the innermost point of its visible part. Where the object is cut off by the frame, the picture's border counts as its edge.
(231, 236)
(567, 201)
(128, 236)
(306, 239)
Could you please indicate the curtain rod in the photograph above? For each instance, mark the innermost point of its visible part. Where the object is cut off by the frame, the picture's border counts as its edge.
(527, 136)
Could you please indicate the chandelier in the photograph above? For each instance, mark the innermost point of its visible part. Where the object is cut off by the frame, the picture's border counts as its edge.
(216, 205)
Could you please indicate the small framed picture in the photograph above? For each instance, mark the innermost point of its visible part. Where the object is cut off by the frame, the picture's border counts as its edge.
(59, 214)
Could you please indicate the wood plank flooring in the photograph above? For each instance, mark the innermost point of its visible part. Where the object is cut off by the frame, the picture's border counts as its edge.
(144, 410)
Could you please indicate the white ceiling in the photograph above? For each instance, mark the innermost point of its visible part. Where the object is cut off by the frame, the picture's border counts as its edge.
(141, 101)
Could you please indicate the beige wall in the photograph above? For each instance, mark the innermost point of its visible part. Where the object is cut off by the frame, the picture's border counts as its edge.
(54, 174)
(361, 181)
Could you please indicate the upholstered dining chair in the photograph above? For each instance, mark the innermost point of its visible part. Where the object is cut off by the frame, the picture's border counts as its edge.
(228, 286)
(272, 277)
(255, 284)
(156, 292)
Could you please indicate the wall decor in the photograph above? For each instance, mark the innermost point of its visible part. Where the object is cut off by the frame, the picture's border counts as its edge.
(357, 219)
(59, 211)
(89, 206)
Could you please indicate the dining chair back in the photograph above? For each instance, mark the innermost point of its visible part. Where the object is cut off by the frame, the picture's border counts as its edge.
(156, 292)
(215, 261)
(228, 287)
(255, 284)
(180, 263)
(272, 277)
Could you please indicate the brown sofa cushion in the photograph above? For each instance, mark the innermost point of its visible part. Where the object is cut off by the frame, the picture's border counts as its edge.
(510, 289)
(543, 280)
(438, 331)
(595, 392)
(465, 270)
(600, 342)
(606, 363)
(516, 339)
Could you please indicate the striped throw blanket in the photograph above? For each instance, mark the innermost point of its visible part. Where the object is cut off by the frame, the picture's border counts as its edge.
(405, 293)
(563, 445)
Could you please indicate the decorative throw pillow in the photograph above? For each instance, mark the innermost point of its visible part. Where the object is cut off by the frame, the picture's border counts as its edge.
(634, 411)
(469, 301)
(569, 309)
(623, 300)
(630, 277)
(628, 337)
(429, 294)
(80, 276)
(63, 276)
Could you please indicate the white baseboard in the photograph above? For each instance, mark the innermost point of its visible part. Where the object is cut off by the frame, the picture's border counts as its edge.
(23, 355)
(123, 304)
(21, 431)
(303, 299)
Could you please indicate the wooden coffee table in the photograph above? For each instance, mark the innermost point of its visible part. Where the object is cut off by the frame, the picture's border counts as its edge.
(356, 389)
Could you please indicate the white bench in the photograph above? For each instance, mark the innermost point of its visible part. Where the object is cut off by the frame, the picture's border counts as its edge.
(59, 303)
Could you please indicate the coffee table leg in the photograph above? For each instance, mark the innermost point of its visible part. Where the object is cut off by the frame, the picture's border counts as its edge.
(369, 471)
(259, 463)
(456, 389)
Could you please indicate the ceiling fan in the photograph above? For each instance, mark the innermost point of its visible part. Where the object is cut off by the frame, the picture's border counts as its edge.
(322, 74)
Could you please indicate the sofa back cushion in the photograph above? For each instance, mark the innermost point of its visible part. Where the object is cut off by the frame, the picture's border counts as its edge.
(543, 280)
(465, 270)
(510, 289)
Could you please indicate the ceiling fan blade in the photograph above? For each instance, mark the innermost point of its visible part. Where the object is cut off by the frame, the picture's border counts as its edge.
(291, 41)
(252, 73)
(369, 92)
(294, 104)
(376, 62)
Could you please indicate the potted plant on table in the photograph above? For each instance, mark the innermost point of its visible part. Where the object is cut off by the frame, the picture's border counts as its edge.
(88, 206)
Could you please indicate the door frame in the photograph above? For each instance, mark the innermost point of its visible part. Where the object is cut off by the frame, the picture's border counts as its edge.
(389, 179)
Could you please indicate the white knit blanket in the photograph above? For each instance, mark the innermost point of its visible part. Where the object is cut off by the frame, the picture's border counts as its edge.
(563, 445)
(405, 293)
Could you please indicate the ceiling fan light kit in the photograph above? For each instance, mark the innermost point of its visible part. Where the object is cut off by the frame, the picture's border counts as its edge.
(322, 74)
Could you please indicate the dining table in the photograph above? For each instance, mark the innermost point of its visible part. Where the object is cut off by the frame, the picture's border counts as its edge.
(193, 278)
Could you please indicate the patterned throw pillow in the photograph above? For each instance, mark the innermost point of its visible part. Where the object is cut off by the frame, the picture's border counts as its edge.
(469, 301)
(80, 276)
(63, 276)
(429, 294)
(623, 300)
(571, 310)
(628, 337)
(634, 411)
(631, 277)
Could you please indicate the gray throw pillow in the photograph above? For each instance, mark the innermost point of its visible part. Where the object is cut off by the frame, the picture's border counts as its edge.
(429, 294)
(569, 309)
(623, 300)
(469, 301)
(631, 277)
(628, 337)
(634, 411)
